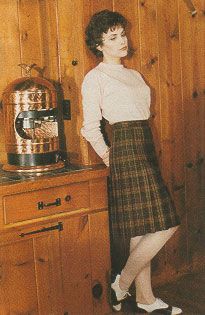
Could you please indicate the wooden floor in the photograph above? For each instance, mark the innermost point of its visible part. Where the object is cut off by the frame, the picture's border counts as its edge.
(187, 292)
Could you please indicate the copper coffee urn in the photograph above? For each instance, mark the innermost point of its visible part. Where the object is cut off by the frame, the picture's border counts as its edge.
(31, 125)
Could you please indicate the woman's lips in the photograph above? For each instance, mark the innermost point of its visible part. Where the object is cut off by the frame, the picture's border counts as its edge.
(123, 48)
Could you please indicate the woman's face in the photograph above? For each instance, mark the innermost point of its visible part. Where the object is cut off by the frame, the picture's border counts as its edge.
(115, 45)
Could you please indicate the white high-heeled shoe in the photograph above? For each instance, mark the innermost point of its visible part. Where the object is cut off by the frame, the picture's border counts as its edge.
(117, 295)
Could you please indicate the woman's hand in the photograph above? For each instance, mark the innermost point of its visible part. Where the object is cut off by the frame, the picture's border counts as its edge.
(105, 157)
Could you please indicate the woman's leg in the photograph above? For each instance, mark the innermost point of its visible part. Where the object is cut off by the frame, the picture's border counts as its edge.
(140, 257)
(144, 293)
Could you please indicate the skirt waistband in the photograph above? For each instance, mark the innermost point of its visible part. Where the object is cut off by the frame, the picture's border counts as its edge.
(131, 123)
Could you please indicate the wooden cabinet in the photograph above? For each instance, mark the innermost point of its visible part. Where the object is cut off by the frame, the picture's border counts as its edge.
(55, 260)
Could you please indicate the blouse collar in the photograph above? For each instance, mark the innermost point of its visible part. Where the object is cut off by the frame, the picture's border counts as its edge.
(111, 66)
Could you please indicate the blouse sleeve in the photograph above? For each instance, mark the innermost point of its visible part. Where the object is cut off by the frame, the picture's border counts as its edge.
(91, 99)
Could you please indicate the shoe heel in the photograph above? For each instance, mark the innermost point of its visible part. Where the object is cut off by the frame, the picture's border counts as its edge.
(117, 308)
(116, 305)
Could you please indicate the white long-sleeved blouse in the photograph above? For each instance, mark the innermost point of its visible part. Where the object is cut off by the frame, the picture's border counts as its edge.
(115, 93)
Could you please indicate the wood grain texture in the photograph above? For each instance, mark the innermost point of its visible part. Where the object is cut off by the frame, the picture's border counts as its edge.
(10, 56)
(99, 249)
(192, 75)
(30, 32)
(76, 266)
(150, 63)
(172, 126)
(48, 273)
(17, 263)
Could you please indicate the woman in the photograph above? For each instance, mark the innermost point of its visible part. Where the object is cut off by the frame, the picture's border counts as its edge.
(142, 214)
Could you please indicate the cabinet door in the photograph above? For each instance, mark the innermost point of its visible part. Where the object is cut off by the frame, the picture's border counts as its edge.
(76, 267)
(30, 274)
(86, 264)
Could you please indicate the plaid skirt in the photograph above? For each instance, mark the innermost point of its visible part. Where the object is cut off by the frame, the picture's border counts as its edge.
(139, 202)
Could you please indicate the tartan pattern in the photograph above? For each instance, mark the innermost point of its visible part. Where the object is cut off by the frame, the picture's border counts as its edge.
(139, 201)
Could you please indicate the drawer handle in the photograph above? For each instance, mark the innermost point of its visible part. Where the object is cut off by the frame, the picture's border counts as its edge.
(42, 205)
(58, 227)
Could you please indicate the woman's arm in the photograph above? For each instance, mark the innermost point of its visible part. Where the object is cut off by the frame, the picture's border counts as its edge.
(92, 115)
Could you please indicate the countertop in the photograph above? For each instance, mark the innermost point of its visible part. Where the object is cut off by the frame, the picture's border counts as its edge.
(7, 177)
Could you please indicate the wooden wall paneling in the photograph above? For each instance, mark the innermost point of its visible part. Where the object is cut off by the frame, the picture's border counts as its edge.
(190, 68)
(49, 38)
(66, 14)
(10, 56)
(172, 135)
(70, 14)
(170, 94)
(201, 45)
(149, 62)
(129, 9)
(199, 101)
(30, 33)
(9, 35)
(150, 70)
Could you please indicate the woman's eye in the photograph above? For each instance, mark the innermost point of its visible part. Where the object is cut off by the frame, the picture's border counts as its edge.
(113, 38)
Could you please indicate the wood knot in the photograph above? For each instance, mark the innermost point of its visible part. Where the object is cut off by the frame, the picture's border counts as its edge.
(74, 62)
(189, 164)
(153, 61)
(174, 34)
(24, 36)
(195, 94)
(142, 3)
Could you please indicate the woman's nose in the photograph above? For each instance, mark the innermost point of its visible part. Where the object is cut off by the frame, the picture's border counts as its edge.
(123, 39)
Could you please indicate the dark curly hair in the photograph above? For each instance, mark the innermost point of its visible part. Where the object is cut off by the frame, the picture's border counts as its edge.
(100, 23)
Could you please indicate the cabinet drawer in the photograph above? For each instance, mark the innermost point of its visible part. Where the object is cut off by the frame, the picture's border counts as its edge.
(39, 203)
